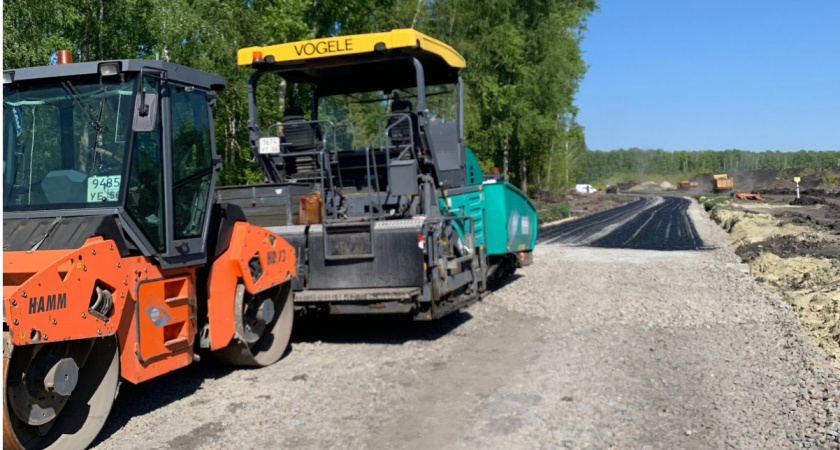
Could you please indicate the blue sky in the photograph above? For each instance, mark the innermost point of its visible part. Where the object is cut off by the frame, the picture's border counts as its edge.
(712, 74)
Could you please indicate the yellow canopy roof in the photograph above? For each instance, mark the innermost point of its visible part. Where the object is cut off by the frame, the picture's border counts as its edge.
(353, 45)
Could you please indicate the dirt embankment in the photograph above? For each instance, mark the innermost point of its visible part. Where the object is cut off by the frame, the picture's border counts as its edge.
(797, 258)
(823, 212)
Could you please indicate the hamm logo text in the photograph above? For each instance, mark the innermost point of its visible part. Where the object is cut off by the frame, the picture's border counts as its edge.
(48, 303)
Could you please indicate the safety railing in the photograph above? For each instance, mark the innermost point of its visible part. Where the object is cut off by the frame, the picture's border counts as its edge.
(327, 157)
(409, 148)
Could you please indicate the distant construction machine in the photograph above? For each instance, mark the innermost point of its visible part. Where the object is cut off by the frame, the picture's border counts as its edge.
(749, 196)
(626, 186)
(722, 183)
(116, 263)
(686, 185)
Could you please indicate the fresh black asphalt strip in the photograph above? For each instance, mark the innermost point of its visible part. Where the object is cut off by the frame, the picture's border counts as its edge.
(651, 223)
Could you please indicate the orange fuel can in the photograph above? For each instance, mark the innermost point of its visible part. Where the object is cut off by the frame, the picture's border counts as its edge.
(310, 210)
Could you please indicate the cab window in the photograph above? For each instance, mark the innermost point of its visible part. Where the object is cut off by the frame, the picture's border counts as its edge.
(145, 180)
(192, 163)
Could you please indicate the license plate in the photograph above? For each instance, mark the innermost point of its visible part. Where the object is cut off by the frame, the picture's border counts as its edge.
(269, 146)
(103, 189)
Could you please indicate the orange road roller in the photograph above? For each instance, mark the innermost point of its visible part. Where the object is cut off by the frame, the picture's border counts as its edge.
(117, 261)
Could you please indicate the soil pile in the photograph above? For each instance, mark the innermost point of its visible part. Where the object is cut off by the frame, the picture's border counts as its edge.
(647, 186)
(808, 201)
(833, 211)
(789, 246)
(812, 286)
(828, 189)
(799, 260)
(747, 228)
(823, 214)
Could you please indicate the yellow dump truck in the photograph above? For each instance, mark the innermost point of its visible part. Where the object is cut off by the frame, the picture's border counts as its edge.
(722, 183)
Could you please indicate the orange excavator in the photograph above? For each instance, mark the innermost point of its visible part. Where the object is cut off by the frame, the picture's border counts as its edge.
(117, 263)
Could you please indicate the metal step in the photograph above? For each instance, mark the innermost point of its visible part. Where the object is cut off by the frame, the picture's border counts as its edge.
(352, 295)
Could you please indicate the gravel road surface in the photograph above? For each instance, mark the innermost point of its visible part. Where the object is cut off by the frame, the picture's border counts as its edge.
(587, 348)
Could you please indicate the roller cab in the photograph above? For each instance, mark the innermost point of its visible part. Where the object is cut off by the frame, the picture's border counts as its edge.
(117, 262)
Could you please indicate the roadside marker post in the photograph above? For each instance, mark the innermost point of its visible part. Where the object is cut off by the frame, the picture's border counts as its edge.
(796, 179)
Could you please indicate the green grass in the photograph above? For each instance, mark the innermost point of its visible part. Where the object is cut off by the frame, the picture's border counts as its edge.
(554, 212)
(712, 201)
(830, 178)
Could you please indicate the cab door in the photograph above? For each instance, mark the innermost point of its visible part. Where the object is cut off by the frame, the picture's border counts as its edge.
(190, 173)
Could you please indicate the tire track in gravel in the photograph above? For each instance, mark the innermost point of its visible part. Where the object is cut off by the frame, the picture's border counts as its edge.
(445, 397)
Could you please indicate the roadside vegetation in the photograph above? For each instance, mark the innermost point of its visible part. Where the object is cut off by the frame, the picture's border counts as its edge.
(831, 179)
(553, 212)
(710, 201)
(523, 57)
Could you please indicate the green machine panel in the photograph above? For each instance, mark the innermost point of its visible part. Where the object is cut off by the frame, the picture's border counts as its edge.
(505, 219)
(510, 219)
(474, 174)
(466, 201)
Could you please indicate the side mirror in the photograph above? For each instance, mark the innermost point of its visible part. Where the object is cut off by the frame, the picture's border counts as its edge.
(145, 112)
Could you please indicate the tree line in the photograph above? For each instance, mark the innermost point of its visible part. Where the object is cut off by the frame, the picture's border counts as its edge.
(635, 163)
(524, 62)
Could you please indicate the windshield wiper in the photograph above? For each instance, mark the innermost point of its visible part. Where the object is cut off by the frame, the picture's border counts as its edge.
(78, 98)
(96, 122)
(98, 126)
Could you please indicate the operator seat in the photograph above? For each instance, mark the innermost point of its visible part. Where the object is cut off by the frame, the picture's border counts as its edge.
(301, 136)
(401, 133)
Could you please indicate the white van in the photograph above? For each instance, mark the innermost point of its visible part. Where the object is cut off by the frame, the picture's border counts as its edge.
(586, 189)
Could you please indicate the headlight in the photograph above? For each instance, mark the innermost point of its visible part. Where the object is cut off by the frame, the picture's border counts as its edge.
(109, 69)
